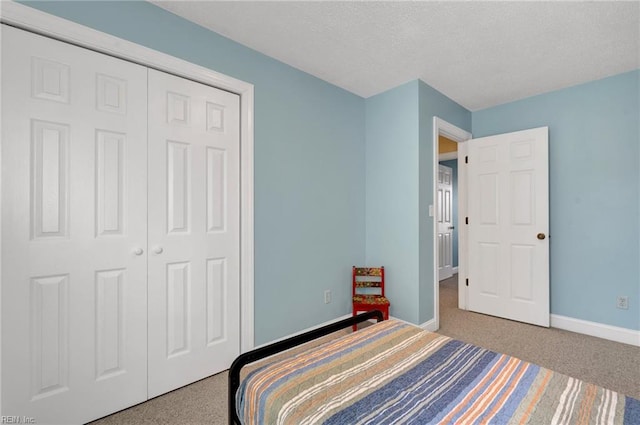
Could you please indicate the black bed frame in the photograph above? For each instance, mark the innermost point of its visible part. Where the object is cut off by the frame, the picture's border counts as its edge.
(276, 347)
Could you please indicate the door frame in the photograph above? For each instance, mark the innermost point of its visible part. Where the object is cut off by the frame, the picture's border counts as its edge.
(458, 135)
(39, 22)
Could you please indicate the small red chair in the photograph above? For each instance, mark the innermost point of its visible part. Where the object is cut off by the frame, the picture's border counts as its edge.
(368, 291)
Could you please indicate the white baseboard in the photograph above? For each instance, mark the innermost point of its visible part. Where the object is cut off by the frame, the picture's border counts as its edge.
(430, 325)
(337, 319)
(454, 270)
(612, 333)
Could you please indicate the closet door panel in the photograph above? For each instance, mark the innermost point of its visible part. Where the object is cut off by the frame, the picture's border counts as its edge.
(74, 214)
(193, 231)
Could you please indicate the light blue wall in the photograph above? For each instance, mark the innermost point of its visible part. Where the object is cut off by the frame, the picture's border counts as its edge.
(594, 180)
(309, 164)
(453, 164)
(399, 180)
(432, 103)
(392, 135)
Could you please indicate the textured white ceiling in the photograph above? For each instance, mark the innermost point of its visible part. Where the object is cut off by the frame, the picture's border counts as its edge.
(480, 54)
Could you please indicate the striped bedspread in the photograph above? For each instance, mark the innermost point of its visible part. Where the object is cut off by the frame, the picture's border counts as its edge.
(394, 373)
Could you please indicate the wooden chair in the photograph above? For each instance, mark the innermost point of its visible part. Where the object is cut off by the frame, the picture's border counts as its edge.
(368, 291)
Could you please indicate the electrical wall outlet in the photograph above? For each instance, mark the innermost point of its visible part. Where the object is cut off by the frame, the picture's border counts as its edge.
(327, 296)
(622, 302)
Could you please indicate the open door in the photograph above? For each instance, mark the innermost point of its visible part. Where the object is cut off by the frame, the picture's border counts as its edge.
(508, 226)
(444, 215)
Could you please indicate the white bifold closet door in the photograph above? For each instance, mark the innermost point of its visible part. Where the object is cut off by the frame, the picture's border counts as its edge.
(194, 229)
(74, 219)
(120, 231)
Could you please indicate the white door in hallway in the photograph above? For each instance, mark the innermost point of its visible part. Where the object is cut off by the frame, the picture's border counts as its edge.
(508, 227)
(194, 229)
(74, 214)
(445, 222)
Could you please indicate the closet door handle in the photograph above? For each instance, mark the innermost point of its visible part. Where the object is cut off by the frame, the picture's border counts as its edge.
(138, 251)
(157, 249)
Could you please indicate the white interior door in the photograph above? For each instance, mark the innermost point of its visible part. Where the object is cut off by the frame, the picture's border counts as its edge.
(508, 227)
(74, 334)
(193, 231)
(445, 222)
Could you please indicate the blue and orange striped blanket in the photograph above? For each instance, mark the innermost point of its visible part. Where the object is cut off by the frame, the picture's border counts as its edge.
(394, 373)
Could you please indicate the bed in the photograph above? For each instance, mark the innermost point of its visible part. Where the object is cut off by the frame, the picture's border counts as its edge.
(396, 373)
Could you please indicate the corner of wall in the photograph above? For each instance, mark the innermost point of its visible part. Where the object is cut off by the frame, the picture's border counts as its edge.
(392, 120)
(432, 104)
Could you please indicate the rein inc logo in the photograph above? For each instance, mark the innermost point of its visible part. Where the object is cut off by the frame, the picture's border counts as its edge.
(17, 420)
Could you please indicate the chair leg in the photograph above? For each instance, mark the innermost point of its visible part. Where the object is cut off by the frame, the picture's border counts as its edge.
(355, 327)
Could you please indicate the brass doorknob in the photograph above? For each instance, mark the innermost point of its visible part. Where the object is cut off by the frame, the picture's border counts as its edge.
(541, 236)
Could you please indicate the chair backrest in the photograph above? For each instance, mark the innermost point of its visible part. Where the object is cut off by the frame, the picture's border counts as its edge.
(367, 280)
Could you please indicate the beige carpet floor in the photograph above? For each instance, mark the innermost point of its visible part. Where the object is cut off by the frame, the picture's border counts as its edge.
(609, 364)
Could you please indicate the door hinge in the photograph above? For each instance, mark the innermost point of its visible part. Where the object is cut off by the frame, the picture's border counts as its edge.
(466, 220)
(467, 281)
(466, 159)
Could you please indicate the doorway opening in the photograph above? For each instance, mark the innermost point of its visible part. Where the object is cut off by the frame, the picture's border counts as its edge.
(457, 137)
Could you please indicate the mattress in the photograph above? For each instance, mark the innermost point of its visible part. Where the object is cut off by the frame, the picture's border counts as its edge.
(395, 373)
